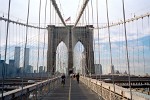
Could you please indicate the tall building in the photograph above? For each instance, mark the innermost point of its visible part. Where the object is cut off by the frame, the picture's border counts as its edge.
(29, 69)
(0, 56)
(11, 70)
(1, 67)
(98, 68)
(112, 70)
(17, 57)
(26, 57)
(41, 69)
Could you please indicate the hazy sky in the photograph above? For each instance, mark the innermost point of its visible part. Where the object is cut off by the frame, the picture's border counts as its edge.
(72, 7)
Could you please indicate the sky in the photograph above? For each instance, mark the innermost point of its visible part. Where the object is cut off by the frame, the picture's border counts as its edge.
(71, 8)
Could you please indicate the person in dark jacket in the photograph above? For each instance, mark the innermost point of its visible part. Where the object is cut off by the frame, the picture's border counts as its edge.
(63, 79)
(77, 77)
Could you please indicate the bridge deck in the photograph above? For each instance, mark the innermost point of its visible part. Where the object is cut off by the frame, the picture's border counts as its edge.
(72, 91)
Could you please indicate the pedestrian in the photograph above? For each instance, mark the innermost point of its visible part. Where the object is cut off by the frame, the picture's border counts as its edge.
(77, 77)
(63, 79)
(74, 76)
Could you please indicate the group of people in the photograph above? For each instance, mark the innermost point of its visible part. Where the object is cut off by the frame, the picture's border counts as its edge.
(63, 77)
(77, 76)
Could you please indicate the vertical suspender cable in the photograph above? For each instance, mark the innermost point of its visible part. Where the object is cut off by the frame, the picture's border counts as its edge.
(143, 46)
(93, 33)
(133, 52)
(84, 64)
(50, 13)
(126, 47)
(98, 35)
(137, 40)
(6, 42)
(44, 33)
(89, 58)
(149, 35)
(25, 48)
(110, 50)
(92, 12)
(87, 45)
(85, 36)
(119, 47)
(144, 57)
(39, 36)
(0, 38)
(133, 61)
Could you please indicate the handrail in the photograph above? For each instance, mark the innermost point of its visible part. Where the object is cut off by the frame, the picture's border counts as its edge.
(17, 92)
(101, 87)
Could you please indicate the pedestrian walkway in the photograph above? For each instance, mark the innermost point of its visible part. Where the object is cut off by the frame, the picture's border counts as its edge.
(72, 91)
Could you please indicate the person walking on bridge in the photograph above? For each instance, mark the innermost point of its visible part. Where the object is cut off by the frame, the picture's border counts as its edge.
(63, 79)
(77, 77)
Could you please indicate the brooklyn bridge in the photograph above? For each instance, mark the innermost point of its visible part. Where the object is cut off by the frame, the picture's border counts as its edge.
(106, 42)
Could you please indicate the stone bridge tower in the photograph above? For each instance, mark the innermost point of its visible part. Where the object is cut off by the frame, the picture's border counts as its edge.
(70, 36)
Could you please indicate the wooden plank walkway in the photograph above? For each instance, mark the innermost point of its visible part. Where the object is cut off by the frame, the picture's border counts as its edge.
(72, 91)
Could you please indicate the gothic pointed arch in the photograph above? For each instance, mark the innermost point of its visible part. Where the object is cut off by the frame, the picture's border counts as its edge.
(70, 36)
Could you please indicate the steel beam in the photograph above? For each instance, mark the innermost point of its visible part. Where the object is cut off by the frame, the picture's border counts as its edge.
(58, 11)
(81, 12)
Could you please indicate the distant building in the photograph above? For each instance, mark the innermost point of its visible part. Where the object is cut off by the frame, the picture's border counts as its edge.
(35, 71)
(11, 69)
(125, 72)
(98, 68)
(17, 57)
(112, 70)
(0, 56)
(41, 69)
(44, 69)
(27, 57)
(117, 72)
(29, 69)
(1, 67)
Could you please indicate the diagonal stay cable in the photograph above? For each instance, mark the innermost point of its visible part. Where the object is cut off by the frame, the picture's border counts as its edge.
(81, 12)
(58, 11)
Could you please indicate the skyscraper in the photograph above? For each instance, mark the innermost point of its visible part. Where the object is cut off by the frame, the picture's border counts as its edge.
(17, 57)
(29, 69)
(112, 70)
(0, 56)
(26, 58)
(98, 68)
(11, 70)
